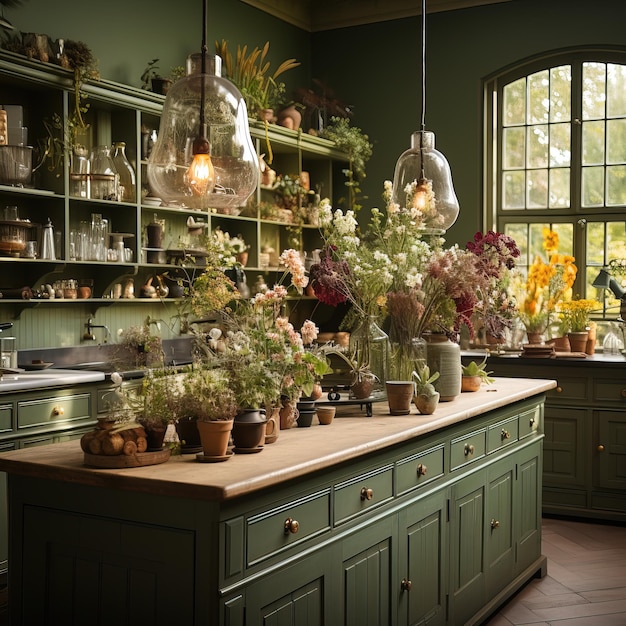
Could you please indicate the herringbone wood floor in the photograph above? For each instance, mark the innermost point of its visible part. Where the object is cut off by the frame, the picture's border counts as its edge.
(585, 585)
(586, 581)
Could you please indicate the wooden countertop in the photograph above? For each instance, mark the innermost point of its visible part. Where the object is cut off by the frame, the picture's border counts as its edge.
(297, 452)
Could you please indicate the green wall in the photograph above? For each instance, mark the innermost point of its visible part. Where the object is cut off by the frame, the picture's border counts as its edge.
(378, 68)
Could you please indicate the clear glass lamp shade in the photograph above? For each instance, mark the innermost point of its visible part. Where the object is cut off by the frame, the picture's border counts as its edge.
(235, 165)
(439, 211)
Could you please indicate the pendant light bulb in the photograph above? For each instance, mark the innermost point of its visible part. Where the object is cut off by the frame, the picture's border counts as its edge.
(201, 174)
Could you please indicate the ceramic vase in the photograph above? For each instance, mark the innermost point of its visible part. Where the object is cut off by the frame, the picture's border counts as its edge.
(444, 356)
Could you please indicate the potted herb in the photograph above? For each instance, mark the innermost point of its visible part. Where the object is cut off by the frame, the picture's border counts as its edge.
(426, 396)
(209, 399)
(156, 405)
(473, 375)
(151, 80)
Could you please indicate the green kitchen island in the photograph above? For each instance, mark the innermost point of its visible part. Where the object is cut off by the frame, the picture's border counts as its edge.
(381, 520)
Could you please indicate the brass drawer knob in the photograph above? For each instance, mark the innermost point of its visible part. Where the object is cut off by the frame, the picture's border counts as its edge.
(422, 470)
(366, 493)
(495, 524)
(532, 422)
(468, 449)
(623, 393)
(58, 410)
(505, 434)
(406, 584)
(600, 448)
(291, 526)
(559, 389)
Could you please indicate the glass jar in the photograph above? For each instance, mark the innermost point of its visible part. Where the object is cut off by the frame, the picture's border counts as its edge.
(127, 190)
(103, 176)
(369, 345)
(79, 172)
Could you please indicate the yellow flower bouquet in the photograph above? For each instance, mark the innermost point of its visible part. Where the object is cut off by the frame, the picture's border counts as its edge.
(574, 314)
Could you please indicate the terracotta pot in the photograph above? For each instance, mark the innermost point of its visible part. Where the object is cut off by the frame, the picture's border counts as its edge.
(215, 436)
(578, 341)
(591, 340)
(242, 257)
(290, 117)
(561, 344)
(471, 383)
(426, 405)
(535, 338)
(326, 414)
(288, 414)
(363, 388)
(399, 396)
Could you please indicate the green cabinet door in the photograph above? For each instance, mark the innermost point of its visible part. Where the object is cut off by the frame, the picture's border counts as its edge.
(422, 562)
(527, 506)
(369, 576)
(610, 450)
(296, 595)
(498, 526)
(467, 566)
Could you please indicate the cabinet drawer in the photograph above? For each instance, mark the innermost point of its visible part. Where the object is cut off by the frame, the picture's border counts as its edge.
(569, 389)
(610, 391)
(529, 422)
(419, 469)
(502, 434)
(467, 448)
(275, 530)
(362, 492)
(6, 417)
(49, 411)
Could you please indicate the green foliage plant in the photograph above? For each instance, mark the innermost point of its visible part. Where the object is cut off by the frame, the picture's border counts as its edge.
(424, 381)
(478, 369)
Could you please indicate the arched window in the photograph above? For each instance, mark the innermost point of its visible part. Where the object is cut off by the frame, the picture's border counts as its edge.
(556, 157)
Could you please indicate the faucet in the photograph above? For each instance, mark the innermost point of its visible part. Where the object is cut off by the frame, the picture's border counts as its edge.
(5, 326)
(89, 335)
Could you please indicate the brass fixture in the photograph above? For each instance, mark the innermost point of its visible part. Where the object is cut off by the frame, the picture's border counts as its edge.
(366, 493)
(469, 449)
(421, 470)
(291, 526)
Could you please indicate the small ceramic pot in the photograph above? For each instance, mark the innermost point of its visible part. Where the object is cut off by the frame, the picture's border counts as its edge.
(427, 405)
(326, 414)
(399, 396)
(471, 383)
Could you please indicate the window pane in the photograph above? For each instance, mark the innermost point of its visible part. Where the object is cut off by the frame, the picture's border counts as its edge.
(593, 90)
(560, 143)
(513, 187)
(616, 240)
(592, 186)
(538, 139)
(595, 244)
(519, 233)
(537, 189)
(559, 188)
(560, 91)
(514, 148)
(514, 103)
(593, 143)
(616, 90)
(538, 98)
(566, 238)
(535, 241)
(616, 185)
(616, 141)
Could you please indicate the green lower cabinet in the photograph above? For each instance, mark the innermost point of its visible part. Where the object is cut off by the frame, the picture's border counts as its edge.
(4, 521)
(367, 594)
(422, 562)
(296, 595)
(498, 527)
(467, 553)
(526, 506)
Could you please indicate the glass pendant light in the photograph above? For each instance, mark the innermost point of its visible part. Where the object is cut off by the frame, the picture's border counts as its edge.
(204, 156)
(422, 178)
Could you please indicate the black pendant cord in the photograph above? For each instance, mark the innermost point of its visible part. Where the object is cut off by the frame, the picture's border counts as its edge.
(423, 117)
(203, 51)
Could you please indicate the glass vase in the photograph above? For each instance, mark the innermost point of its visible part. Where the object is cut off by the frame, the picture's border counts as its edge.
(369, 345)
(407, 355)
(127, 190)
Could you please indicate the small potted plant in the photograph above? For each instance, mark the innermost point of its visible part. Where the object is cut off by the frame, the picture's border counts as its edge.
(209, 399)
(473, 375)
(426, 396)
(151, 80)
(156, 406)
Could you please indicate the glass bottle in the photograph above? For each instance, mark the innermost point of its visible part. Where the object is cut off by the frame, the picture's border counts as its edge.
(103, 175)
(79, 172)
(369, 345)
(127, 191)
